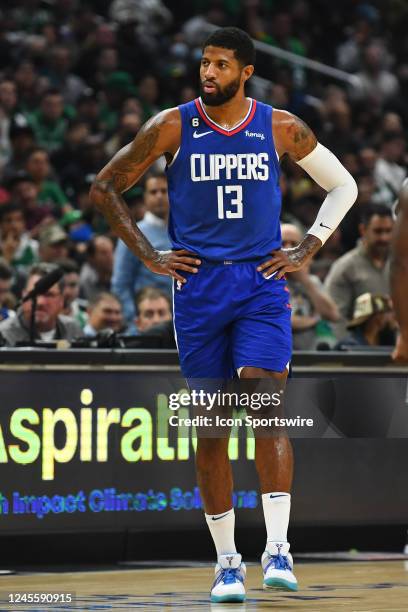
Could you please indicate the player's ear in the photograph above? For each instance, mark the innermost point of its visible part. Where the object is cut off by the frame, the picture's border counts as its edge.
(247, 72)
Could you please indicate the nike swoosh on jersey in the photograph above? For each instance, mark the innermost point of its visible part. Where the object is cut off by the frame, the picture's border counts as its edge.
(273, 496)
(195, 135)
(326, 226)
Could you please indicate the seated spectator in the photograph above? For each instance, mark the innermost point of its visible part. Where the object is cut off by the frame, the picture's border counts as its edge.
(88, 110)
(389, 172)
(7, 300)
(50, 323)
(154, 317)
(366, 267)
(129, 273)
(8, 106)
(309, 300)
(60, 76)
(67, 160)
(50, 120)
(53, 243)
(104, 312)
(24, 191)
(373, 323)
(30, 86)
(129, 125)
(374, 82)
(136, 203)
(73, 305)
(50, 193)
(22, 140)
(153, 307)
(96, 272)
(17, 248)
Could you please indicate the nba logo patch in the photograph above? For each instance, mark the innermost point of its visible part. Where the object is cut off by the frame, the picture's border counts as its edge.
(179, 285)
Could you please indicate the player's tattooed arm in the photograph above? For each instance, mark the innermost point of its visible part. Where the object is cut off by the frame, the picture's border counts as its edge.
(291, 260)
(159, 136)
(292, 136)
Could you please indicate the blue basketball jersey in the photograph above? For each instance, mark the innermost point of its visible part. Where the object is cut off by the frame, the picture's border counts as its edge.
(224, 193)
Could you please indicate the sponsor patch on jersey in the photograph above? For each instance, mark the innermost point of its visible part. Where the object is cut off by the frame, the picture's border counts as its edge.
(249, 134)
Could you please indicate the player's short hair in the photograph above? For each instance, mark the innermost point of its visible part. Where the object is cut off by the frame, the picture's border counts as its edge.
(370, 210)
(237, 40)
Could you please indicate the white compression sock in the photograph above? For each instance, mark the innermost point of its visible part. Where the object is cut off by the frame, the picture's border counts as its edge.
(221, 527)
(276, 507)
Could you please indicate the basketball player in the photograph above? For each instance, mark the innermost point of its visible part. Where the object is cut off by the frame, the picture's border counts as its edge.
(399, 274)
(231, 310)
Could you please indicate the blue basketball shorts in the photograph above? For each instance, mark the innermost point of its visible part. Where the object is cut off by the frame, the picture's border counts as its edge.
(227, 316)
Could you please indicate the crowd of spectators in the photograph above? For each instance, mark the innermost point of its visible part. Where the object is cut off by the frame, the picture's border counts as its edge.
(79, 78)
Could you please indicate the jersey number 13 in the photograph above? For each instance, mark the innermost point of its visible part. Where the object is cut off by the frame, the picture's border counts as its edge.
(234, 190)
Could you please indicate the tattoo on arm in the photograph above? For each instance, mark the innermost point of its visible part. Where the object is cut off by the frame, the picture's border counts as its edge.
(122, 172)
(308, 247)
(301, 140)
(114, 208)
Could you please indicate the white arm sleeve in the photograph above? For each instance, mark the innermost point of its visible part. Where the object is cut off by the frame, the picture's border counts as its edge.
(324, 168)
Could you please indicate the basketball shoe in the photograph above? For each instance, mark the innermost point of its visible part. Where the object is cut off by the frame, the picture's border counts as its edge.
(229, 579)
(277, 564)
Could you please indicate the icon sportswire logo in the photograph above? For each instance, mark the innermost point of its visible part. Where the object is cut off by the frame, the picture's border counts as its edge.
(195, 135)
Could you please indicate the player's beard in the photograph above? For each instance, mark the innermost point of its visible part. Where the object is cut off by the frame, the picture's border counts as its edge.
(221, 96)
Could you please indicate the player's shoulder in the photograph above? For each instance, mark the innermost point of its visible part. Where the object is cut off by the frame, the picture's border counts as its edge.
(292, 135)
(167, 117)
(283, 118)
(165, 129)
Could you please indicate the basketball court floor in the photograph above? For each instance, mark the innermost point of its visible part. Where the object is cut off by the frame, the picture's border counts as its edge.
(327, 586)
